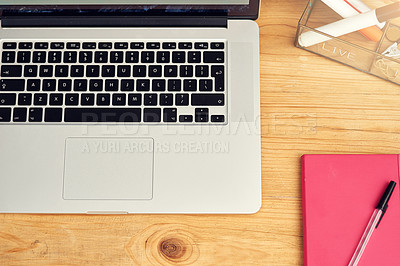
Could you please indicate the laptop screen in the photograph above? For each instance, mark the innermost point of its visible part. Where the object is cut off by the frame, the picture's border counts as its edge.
(126, 2)
(230, 8)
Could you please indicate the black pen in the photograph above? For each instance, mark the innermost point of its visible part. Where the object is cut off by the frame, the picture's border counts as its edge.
(373, 223)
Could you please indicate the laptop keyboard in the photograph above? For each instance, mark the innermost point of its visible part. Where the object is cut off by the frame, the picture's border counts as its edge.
(105, 82)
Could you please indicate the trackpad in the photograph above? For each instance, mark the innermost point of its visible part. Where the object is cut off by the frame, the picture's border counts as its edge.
(108, 168)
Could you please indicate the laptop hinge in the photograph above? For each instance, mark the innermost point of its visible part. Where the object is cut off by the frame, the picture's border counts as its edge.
(113, 21)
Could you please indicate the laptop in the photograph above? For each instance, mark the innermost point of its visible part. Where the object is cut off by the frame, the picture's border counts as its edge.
(129, 106)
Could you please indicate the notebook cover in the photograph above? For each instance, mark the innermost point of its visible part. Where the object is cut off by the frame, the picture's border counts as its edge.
(340, 192)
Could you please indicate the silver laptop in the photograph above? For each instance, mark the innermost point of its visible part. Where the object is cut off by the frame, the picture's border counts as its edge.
(129, 106)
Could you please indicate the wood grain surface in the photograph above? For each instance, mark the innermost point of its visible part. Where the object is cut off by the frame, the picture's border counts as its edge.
(309, 104)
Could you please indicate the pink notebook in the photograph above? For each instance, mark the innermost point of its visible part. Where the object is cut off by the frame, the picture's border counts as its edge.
(340, 192)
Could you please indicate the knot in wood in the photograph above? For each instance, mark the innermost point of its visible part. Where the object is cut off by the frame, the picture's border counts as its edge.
(173, 248)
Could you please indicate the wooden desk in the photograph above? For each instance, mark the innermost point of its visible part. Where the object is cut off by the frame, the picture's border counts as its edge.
(309, 105)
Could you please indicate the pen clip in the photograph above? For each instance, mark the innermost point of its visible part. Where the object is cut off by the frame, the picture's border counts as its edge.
(383, 213)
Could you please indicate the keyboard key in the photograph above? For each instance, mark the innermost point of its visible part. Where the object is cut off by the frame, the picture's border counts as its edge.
(40, 99)
(169, 115)
(127, 85)
(137, 45)
(174, 85)
(153, 45)
(25, 45)
(185, 118)
(139, 71)
(178, 57)
(7, 99)
(46, 71)
(101, 57)
(57, 45)
(9, 45)
(134, 99)
(218, 118)
(121, 45)
(11, 71)
(182, 99)
(208, 99)
(73, 45)
(194, 57)
(132, 57)
(205, 85)
(53, 115)
(87, 99)
(86, 57)
(124, 71)
(169, 45)
(41, 45)
(201, 45)
(19, 114)
(213, 57)
(77, 71)
(33, 85)
(103, 99)
(89, 45)
(80, 85)
(170, 71)
(24, 99)
(12, 85)
(147, 57)
(155, 71)
(119, 99)
(108, 71)
(39, 57)
(8, 57)
(70, 57)
(111, 85)
(35, 115)
(71, 99)
(92, 71)
(56, 99)
(90, 115)
(218, 73)
(158, 85)
(5, 115)
(163, 57)
(217, 45)
(201, 115)
(142, 85)
(202, 71)
(116, 57)
(186, 71)
(96, 85)
(54, 57)
(166, 99)
(152, 115)
(49, 85)
(30, 71)
(24, 57)
(185, 45)
(64, 85)
(105, 45)
(150, 99)
(190, 85)
(61, 71)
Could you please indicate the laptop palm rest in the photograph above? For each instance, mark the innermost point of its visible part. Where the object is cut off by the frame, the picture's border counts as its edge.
(108, 168)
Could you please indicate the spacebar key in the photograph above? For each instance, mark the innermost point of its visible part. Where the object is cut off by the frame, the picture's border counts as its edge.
(94, 115)
(208, 99)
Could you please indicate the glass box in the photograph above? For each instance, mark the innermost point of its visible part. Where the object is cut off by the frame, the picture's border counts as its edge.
(379, 56)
